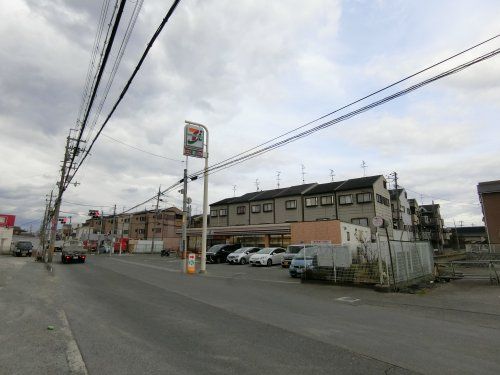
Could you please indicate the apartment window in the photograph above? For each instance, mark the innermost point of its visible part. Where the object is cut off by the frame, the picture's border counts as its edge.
(363, 221)
(327, 200)
(127, 220)
(223, 212)
(385, 184)
(240, 210)
(140, 231)
(291, 204)
(267, 207)
(142, 218)
(408, 211)
(364, 197)
(256, 208)
(213, 213)
(383, 200)
(311, 202)
(157, 230)
(345, 199)
(125, 231)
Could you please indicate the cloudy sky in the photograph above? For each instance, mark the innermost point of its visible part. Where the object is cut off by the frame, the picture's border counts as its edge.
(251, 70)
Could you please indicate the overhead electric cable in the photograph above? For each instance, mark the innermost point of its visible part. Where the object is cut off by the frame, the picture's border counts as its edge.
(129, 82)
(141, 150)
(365, 97)
(218, 167)
(116, 23)
(116, 64)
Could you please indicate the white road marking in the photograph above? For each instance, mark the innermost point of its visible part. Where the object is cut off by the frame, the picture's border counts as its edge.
(348, 299)
(73, 354)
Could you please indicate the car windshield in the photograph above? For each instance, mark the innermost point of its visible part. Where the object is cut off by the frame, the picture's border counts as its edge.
(294, 249)
(242, 250)
(309, 252)
(266, 250)
(215, 248)
(24, 245)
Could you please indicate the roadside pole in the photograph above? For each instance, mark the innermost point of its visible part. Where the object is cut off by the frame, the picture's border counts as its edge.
(155, 221)
(57, 205)
(184, 218)
(196, 145)
(43, 230)
(113, 231)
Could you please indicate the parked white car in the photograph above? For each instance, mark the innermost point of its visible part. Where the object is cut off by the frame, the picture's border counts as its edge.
(242, 255)
(267, 256)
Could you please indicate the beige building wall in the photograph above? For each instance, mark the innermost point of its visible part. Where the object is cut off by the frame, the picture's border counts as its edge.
(284, 215)
(307, 232)
(239, 219)
(262, 217)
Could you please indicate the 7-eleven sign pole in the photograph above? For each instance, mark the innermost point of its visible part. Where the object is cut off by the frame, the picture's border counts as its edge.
(196, 145)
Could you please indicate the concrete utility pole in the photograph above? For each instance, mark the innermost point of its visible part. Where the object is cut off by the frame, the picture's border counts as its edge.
(43, 229)
(155, 220)
(184, 217)
(394, 175)
(113, 231)
(57, 205)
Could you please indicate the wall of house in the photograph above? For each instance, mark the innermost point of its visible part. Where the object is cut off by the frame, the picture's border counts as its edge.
(262, 217)
(351, 234)
(239, 219)
(309, 231)
(381, 209)
(356, 210)
(284, 215)
(5, 239)
(491, 210)
(319, 212)
(218, 221)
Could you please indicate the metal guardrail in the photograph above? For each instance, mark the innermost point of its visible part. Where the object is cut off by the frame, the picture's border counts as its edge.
(458, 270)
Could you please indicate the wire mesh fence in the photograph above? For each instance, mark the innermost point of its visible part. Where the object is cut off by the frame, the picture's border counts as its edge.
(393, 263)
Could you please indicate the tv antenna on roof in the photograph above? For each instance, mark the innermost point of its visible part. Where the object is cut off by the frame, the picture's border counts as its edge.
(257, 184)
(278, 178)
(303, 174)
(332, 175)
(364, 166)
(234, 190)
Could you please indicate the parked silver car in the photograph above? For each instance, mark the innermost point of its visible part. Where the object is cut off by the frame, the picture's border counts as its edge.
(242, 255)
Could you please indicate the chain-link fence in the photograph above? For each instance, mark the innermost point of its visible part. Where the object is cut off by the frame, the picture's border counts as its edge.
(392, 263)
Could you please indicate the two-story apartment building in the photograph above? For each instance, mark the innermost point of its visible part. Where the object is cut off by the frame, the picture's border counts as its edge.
(489, 196)
(401, 211)
(432, 225)
(269, 213)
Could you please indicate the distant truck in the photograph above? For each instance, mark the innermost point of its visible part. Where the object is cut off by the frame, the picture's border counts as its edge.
(73, 252)
(22, 248)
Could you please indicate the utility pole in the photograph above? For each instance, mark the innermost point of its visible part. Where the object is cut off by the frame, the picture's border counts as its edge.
(456, 235)
(394, 176)
(43, 230)
(184, 216)
(155, 220)
(113, 231)
(57, 204)
(101, 232)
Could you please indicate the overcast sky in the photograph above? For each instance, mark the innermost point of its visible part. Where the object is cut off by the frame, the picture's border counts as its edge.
(251, 70)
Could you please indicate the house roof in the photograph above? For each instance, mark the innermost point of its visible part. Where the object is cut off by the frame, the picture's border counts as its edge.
(471, 231)
(304, 189)
(488, 187)
(351, 184)
(395, 193)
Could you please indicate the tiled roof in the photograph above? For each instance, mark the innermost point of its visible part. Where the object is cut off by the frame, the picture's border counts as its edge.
(352, 184)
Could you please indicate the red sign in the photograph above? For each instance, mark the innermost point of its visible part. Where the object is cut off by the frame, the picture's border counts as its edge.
(7, 221)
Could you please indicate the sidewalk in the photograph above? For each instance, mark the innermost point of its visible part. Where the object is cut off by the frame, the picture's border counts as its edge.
(35, 337)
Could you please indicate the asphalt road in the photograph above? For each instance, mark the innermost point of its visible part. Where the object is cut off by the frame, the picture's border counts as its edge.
(140, 315)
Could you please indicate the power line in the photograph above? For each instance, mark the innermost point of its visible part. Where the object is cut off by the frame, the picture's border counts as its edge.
(232, 162)
(85, 204)
(67, 180)
(141, 150)
(365, 97)
(129, 82)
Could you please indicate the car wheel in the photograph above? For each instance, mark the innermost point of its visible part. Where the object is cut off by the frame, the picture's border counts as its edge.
(243, 261)
(269, 262)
